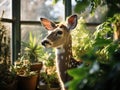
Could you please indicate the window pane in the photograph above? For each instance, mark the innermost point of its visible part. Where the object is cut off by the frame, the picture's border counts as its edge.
(34, 9)
(6, 6)
(37, 30)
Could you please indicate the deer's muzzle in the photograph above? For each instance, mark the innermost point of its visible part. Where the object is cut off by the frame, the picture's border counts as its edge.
(46, 43)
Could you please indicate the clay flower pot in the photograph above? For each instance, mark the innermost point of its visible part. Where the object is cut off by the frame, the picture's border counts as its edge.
(30, 82)
(27, 82)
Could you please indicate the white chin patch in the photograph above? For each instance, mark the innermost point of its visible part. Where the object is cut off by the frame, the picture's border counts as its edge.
(60, 50)
(48, 46)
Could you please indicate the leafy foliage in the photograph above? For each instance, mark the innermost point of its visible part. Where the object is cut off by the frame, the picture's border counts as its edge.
(113, 5)
(6, 75)
(82, 5)
(22, 67)
(81, 39)
(32, 49)
(54, 1)
(4, 44)
(101, 66)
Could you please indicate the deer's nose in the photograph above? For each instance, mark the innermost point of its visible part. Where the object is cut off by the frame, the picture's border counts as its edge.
(45, 42)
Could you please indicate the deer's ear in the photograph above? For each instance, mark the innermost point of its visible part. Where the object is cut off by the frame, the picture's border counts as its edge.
(48, 24)
(72, 22)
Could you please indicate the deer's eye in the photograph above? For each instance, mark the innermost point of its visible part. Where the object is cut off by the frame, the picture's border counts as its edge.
(59, 32)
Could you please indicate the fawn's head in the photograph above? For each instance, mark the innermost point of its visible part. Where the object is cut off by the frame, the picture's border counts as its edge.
(58, 34)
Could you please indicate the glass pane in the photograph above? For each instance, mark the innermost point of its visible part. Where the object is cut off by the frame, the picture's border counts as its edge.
(6, 6)
(36, 30)
(34, 9)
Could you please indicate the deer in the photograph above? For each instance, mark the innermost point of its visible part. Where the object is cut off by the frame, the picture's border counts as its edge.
(59, 37)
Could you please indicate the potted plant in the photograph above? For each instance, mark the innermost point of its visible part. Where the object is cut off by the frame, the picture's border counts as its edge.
(33, 49)
(36, 54)
(28, 66)
(27, 76)
(8, 79)
(7, 76)
(49, 79)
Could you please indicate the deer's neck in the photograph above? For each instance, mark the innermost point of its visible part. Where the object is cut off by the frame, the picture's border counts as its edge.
(63, 56)
(64, 52)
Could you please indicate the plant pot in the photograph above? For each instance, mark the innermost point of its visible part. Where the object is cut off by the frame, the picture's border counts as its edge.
(12, 86)
(36, 67)
(27, 82)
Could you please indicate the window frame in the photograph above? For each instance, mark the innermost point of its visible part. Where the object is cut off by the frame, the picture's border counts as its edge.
(16, 24)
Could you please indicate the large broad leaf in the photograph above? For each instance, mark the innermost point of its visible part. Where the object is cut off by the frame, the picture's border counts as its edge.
(73, 85)
(102, 41)
(81, 6)
(77, 72)
(78, 75)
(112, 48)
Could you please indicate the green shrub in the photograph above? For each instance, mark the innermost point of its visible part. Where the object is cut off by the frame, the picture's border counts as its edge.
(100, 53)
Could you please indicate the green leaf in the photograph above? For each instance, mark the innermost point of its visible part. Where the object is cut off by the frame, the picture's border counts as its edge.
(112, 47)
(81, 6)
(78, 73)
(30, 37)
(54, 1)
(102, 41)
(73, 85)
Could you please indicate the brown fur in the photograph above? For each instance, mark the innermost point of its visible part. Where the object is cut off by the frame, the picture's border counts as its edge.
(60, 38)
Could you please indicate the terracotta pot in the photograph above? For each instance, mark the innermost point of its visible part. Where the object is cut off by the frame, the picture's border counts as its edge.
(36, 67)
(27, 82)
(30, 82)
